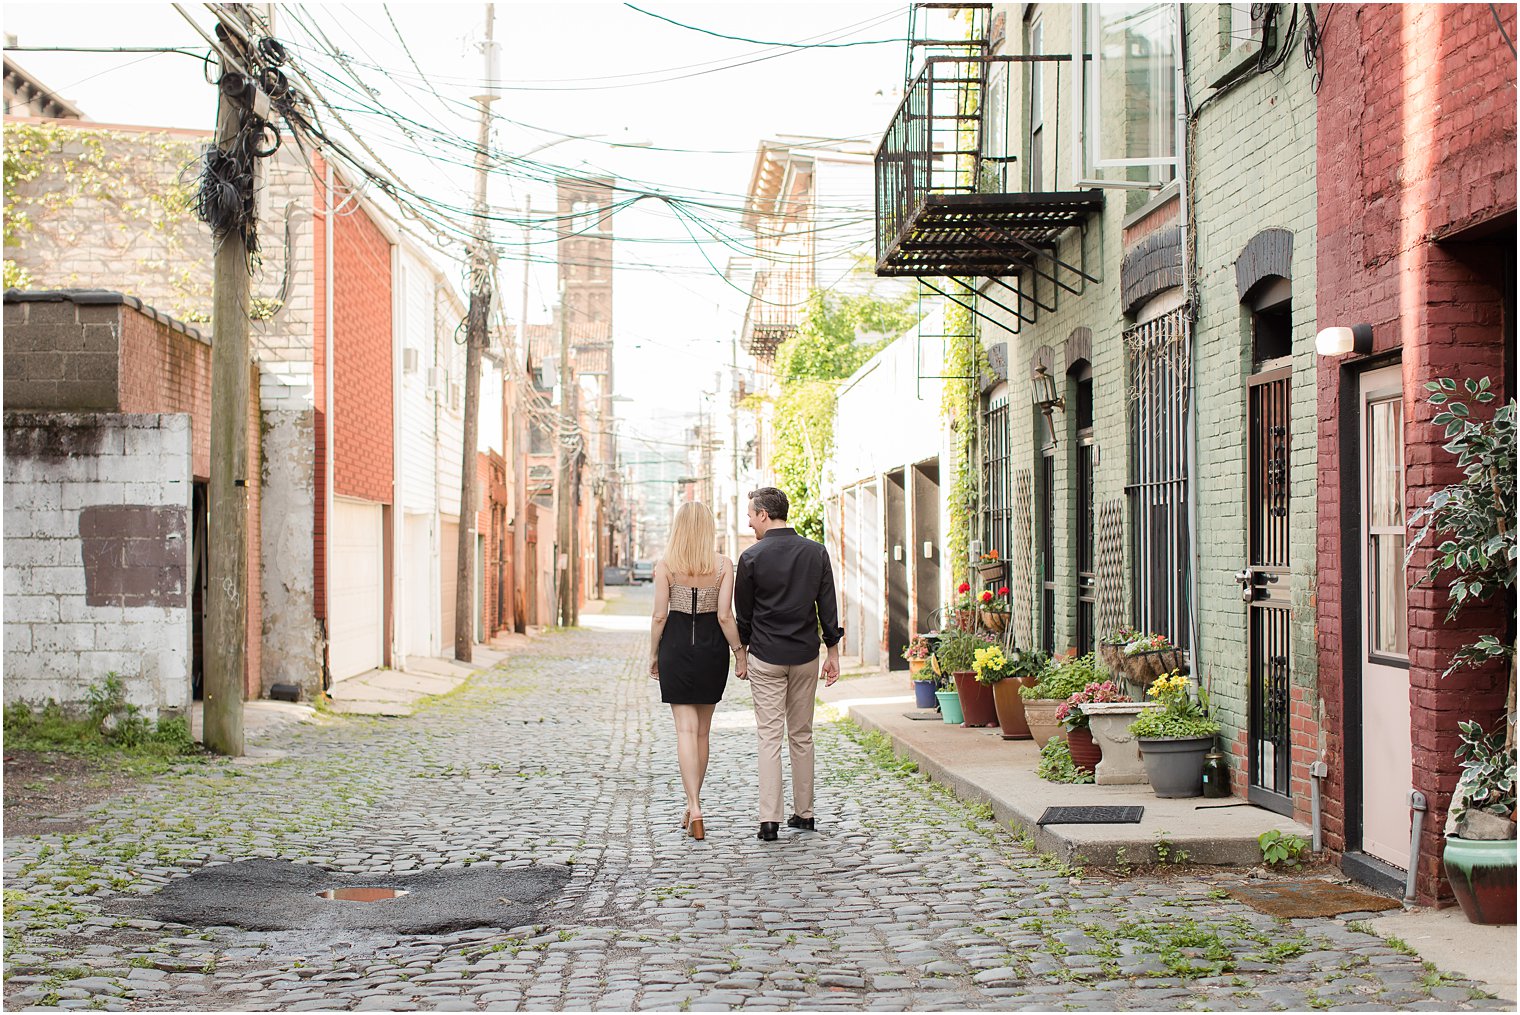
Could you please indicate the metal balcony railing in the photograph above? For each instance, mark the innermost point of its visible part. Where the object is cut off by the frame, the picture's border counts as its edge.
(965, 185)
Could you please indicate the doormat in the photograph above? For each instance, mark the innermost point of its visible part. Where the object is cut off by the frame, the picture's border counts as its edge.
(1296, 900)
(1091, 816)
(923, 716)
(279, 895)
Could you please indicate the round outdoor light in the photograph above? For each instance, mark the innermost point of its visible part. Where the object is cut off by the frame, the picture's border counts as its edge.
(1339, 341)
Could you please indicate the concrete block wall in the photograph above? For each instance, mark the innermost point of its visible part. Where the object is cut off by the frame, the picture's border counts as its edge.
(97, 556)
(1254, 168)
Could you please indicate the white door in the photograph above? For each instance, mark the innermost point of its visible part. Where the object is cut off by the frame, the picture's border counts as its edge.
(448, 585)
(355, 589)
(417, 632)
(1387, 755)
(872, 554)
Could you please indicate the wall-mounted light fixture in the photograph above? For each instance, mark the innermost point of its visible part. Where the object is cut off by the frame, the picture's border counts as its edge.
(1045, 398)
(1339, 341)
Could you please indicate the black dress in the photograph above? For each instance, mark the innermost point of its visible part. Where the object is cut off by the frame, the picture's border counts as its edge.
(693, 651)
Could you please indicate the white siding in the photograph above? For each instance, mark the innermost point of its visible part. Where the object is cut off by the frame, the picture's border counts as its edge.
(418, 342)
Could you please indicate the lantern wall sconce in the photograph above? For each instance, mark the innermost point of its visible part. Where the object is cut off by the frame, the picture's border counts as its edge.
(1339, 341)
(1045, 398)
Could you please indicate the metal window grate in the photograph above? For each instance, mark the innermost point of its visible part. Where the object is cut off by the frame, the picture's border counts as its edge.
(1159, 370)
(1110, 565)
(997, 514)
(1022, 562)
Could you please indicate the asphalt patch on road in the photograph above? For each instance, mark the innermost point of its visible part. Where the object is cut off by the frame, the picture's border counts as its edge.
(279, 895)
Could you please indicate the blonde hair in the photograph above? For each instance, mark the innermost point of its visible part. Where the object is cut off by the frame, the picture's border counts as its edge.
(693, 541)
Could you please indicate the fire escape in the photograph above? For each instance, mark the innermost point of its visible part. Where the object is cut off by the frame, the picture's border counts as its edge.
(960, 171)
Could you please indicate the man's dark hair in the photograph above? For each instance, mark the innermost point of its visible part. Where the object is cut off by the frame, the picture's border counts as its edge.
(770, 500)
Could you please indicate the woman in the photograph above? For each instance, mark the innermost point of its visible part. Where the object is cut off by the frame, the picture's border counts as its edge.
(691, 634)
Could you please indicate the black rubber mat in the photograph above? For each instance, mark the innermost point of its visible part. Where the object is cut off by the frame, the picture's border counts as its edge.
(1091, 816)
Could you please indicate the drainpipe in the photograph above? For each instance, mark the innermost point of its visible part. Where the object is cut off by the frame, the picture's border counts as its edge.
(327, 505)
(1417, 802)
(1317, 772)
(1180, 140)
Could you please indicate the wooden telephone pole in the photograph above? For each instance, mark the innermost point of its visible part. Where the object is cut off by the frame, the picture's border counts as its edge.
(475, 343)
(227, 537)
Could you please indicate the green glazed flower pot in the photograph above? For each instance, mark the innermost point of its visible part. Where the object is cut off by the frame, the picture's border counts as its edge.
(1482, 874)
(950, 707)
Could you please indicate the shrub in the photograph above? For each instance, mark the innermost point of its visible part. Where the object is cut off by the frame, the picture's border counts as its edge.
(1066, 678)
(1056, 764)
(957, 651)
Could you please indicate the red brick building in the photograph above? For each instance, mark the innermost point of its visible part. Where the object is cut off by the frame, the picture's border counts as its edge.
(1416, 237)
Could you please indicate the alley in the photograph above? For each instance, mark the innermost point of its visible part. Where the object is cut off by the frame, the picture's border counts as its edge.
(905, 899)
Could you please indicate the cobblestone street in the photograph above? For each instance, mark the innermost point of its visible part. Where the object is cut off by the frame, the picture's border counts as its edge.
(905, 898)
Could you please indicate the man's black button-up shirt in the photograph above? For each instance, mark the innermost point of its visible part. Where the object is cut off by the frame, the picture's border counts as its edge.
(784, 597)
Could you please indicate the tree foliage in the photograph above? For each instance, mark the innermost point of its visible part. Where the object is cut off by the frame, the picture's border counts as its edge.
(838, 334)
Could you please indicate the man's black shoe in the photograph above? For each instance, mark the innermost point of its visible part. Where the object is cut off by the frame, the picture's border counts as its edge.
(768, 830)
(806, 824)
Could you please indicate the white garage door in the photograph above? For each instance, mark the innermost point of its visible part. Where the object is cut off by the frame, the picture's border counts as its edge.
(416, 595)
(448, 586)
(355, 589)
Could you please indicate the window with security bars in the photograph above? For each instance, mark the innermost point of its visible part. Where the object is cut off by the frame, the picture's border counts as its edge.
(1158, 372)
(997, 516)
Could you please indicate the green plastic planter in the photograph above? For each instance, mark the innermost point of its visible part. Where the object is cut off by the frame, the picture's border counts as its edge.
(950, 707)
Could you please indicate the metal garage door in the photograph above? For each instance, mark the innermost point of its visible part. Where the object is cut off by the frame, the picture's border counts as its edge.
(356, 593)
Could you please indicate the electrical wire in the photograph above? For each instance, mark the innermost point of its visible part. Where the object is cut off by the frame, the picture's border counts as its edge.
(758, 42)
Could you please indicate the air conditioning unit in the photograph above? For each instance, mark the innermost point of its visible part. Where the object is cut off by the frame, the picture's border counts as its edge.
(410, 359)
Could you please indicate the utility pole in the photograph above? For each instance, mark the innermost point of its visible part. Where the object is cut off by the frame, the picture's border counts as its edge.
(564, 553)
(475, 343)
(227, 535)
(520, 442)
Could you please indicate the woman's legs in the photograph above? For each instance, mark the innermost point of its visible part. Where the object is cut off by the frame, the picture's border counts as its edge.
(691, 757)
(704, 728)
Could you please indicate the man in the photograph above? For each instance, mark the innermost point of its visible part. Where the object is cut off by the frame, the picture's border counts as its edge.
(783, 599)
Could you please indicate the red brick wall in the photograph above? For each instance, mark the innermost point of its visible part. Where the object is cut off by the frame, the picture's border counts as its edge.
(163, 370)
(1416, 140)
(362, 397)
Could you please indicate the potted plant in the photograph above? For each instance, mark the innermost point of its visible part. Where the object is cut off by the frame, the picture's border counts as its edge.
(1111, 648)
(996, 670)
(1175, 738)
(957, 657)
(1148, 657)
(963, 610)
(1085, 752)
(917, 654)
(990, 566)
(994, 609)
(954, 656)
(1475, 518)
(1046, 696)
(1480, 827)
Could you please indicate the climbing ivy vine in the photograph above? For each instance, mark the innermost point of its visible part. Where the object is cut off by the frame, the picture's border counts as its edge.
(838, 334)
(965, 361)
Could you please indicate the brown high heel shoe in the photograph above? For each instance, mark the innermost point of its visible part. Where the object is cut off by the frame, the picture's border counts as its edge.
(696, 829)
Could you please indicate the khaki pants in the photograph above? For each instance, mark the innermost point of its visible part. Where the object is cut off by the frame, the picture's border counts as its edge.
(784, 696)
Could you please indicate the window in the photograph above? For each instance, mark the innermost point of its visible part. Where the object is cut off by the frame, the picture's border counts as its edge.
(1158, 371)
(1271, 321)
(1387, 589)
(1083, 450)
(1047, 535)
(586, 217)
(998, 515)
(1133, 106)
(1036, 73)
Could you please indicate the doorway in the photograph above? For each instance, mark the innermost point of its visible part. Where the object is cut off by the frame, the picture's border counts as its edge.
(925, 546)
(897, 570)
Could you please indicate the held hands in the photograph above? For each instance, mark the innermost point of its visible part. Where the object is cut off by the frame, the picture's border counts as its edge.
(741, 664)
(654, 668)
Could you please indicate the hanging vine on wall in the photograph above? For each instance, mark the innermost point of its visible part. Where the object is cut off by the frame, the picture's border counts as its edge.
(965, 360)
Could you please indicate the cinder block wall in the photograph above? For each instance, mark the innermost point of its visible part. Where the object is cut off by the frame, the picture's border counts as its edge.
(97, 572)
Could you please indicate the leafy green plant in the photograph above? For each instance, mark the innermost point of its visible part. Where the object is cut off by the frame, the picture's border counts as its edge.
(1180, 715)
(1282, 848)
(1056, 764)
(1488, 775)
(956, 652)
(1066, 678)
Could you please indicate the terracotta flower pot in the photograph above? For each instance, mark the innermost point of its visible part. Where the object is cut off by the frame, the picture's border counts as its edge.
(976, 701)
(1085, 752)
(1041, 715)
(1482, 875)
(1010, 707)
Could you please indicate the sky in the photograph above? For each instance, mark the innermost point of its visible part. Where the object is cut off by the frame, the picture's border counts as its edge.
(568, 69)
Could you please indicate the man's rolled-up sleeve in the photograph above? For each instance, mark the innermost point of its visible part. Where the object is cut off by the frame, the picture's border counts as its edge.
(828, 606)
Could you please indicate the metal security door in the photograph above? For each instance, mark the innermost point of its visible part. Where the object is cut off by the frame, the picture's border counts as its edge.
(1265, 586)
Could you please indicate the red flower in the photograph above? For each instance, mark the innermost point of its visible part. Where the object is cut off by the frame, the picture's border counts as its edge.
(1003, 591)
(986, 597)
(964, 588)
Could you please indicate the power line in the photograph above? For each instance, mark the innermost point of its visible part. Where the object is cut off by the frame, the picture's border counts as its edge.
(758, 42)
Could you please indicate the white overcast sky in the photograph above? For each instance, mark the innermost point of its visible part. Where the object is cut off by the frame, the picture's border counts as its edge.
(576, 69)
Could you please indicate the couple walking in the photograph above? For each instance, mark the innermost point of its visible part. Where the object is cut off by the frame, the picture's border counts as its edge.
(769, 612)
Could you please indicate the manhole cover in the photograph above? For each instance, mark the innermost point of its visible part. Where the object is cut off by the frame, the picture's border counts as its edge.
(279, 895)
(361, 894)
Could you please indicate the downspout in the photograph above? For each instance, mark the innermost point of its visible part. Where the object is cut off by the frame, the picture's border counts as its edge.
(327, 491)
(435, 548)
(398, 507)
(1184, 221)
(1416, 827)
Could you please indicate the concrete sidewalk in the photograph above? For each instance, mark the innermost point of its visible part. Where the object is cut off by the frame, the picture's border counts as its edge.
(397, 692)
(982, 767)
